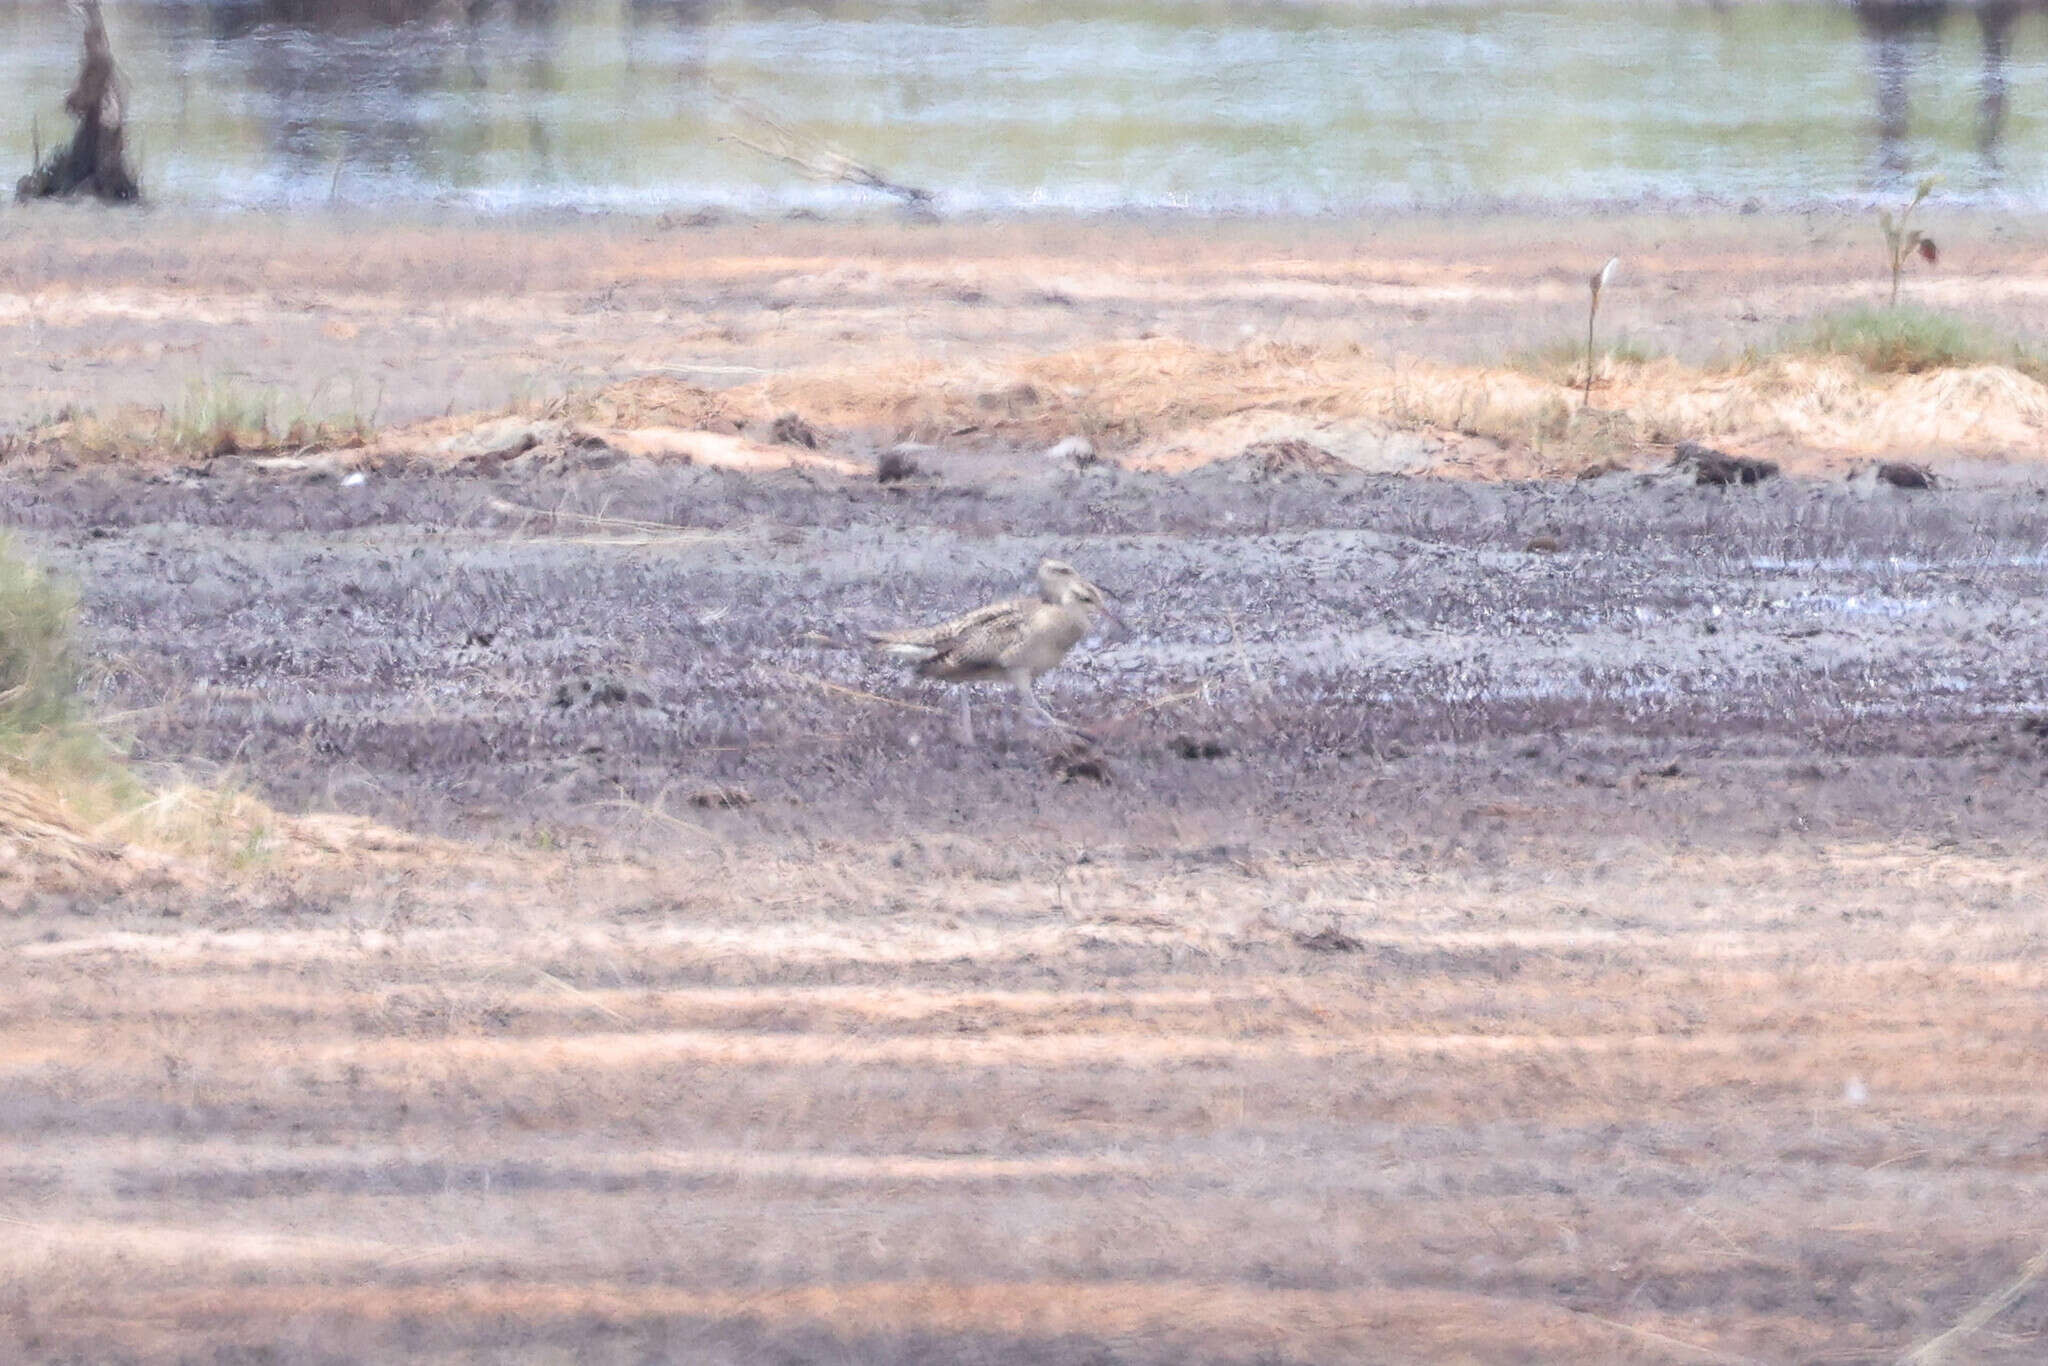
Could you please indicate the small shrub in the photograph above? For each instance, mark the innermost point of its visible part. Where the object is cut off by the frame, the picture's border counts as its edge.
(894, 467)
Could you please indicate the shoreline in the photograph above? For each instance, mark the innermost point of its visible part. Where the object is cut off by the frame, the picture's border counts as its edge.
(445, 211)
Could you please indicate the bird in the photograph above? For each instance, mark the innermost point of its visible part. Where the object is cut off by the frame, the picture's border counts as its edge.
(1012, 641)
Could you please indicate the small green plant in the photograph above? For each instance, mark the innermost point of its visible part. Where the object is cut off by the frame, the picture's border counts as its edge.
(1902, 241)
(1600, 279)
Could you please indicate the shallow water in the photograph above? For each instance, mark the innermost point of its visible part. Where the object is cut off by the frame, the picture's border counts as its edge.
(1005, 105)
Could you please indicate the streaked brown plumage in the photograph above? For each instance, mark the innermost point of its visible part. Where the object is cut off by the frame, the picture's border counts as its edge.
(1013, 641)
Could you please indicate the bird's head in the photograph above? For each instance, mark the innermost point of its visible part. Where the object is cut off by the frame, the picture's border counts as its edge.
(1054, 578)
(1060, 583)
(1092, 601)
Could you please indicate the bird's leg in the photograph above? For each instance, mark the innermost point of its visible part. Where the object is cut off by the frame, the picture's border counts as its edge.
(1030, 709)
(966, 721)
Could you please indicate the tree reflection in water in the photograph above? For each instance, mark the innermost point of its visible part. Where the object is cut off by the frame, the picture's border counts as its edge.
(1902, 37)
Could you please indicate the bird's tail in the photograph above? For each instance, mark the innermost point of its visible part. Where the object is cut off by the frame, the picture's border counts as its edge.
(891, 643)
(894, 645)
(833, 642)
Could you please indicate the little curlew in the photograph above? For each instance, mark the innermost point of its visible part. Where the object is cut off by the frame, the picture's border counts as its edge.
(1013, 641)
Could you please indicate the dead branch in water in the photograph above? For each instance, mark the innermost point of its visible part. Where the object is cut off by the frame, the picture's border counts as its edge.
(93, 162)
(772, 138)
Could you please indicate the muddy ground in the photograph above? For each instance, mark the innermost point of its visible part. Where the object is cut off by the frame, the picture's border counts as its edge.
(469, 656)
(1588, 921)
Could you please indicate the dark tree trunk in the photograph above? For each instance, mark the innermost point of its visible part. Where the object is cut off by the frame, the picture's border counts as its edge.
(92, 162)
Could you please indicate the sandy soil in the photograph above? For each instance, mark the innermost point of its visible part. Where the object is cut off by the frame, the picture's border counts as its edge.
(98, 308)
(1409, 345)
(1590, 921)
(1660, 1106)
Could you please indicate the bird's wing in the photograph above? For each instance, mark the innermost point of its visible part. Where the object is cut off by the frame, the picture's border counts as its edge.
(946, 634)
(973, 639)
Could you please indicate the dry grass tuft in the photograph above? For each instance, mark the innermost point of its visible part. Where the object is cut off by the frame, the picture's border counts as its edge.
(1291, 455)
(660, 401)
(42, 847)
(220, 824)
(1563, 362)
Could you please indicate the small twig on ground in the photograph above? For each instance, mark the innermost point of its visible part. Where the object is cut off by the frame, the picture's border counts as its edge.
(663, 529)
(702, 370)
(829, 686)
(820, 738)
(1651, 1335)
(656, 814)
(1194, 694)
(1120, 721)
(421, 1254)
(1935, 1349)
(579, 994)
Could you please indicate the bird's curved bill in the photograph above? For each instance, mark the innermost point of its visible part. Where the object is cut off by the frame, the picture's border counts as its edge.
(1106, 593)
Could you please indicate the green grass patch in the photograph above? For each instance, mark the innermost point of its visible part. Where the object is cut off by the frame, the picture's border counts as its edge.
(1911, 341)
(220, 416)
